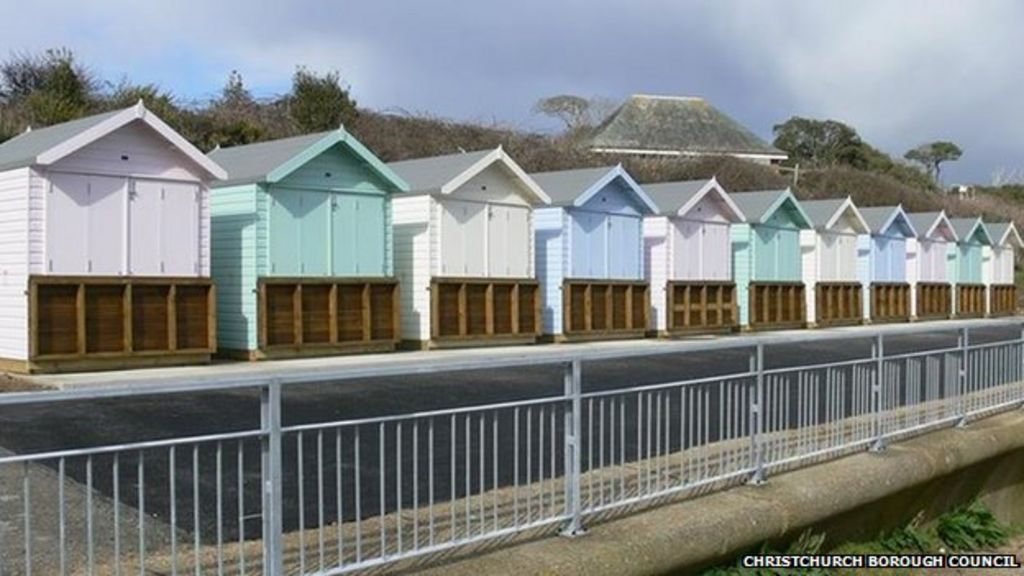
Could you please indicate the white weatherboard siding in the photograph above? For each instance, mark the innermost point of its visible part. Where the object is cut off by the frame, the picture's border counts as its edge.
(413, 254)
(809, 265)
(932, 260)
(550, 265)
(133, 150)
(14, 263)
(913, 273)
(864, 271)
(655, 230)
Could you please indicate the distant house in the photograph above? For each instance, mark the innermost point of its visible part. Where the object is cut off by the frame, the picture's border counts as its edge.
(648, 125)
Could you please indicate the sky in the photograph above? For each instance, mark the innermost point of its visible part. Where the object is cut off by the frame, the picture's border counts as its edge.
(902, 72)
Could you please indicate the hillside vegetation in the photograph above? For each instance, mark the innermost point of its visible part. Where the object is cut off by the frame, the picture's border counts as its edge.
(41, 89)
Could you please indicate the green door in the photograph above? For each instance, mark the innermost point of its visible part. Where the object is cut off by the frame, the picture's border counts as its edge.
(298, 233)
(344, 234)
(370, 235)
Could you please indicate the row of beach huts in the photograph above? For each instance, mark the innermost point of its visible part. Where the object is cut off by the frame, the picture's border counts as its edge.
(123, 245)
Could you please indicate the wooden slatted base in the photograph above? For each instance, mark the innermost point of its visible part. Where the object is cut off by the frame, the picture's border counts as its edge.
(104, 323)
(934, 300)
(326, 316)
(838, 303)
(890, 302)
(482, 311)
(604, 309)
(701, 307)
(775, 305)
(970, 300)
(1003, 299)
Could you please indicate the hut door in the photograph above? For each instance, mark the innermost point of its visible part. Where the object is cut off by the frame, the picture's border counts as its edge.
(144, 238)
(715, 251)
(285, 234)
(687, 251)
(463, 232)
(623, 247)
(370, 243)
(508, 241)
(85, 224)
(179, 229)
(589, 244)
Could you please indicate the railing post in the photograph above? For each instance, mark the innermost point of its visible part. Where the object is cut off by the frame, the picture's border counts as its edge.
(877, 389)
(270, 468)
(963, 342)
(573, 445)
(757, 417)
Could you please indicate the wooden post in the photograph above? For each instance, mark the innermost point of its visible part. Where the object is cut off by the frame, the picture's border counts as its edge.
(80, 319)
(33, 319)
(263, 313)
(126, 319)
(364, 311)
(297, 314)
(332, 314)
(463, 328)
(609, 307)
(588, 308)
(629, 307)
(396, 313)
(489, 309)
(514, 303)
(211, 317)
(172, 317)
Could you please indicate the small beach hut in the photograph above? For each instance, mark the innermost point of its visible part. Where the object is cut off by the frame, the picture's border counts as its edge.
(464, 250)
(104, 248)
(688, 253)
(929, 262)
(998, 274)
(766, 259)
(833, 261)
(589, 254)
(302, 248)
(969, 295)
(888, 288)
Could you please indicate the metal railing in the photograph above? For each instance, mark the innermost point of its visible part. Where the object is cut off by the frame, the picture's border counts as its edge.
(346, 495)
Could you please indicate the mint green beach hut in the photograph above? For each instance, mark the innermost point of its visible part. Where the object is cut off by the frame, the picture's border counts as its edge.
(767, 259)
(969, 294)
(302, 248)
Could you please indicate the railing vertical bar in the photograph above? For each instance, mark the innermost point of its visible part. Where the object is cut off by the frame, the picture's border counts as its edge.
(398, 487)
(220, 507)
(241, 506)
(300, 469)
(357, 480)
(320, 497)
(141, 469)
(26, 488)
(416, 484)
(116, 472)
(90, 542)
(61, 520)
(339, 502)
(172, 489)
(196, 530)
(382, 487)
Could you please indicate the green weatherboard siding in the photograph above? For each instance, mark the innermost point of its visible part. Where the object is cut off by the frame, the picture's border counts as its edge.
(326, 214)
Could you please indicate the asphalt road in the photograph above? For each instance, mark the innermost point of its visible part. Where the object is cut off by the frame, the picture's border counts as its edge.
(35, 428)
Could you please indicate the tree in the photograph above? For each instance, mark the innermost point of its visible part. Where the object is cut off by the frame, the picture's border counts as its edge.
(320, 102)
(821, 143)
(932, 155)
(235, 115)
(574, 111)
(47, 88)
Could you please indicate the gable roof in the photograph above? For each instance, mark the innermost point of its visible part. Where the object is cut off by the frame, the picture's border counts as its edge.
(45, 146)
(576, 187)
(925, 223)
(274, 160)
(824, 214)
(966, 228)
(761, 205)
(881, 218)
(678, 198)
(444, 174)
(1002, 232)
(673, 125)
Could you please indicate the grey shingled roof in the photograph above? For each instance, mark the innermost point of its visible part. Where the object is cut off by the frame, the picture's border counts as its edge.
(23, 149)
(755, 204)
(430, 174)
(821, 211)
(669, 123)
(669, 197)
(252, 162)
(998, 230)
(963, 227)
(565, 186)
(923, 221)
(877, 217)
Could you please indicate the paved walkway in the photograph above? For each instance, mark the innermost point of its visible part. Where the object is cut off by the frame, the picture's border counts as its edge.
(337, 367)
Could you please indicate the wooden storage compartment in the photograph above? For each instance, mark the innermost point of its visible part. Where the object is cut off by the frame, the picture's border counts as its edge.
(970, 300)
(108, 319)
(480, 309)
(317, 315)
(777, 305)
(604, 308)
(838, 303)
(1004, 300)
(934, 300)
(701, 306)
(890, 302)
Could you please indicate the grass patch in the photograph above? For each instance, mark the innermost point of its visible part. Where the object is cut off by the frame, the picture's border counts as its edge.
(968, 528)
